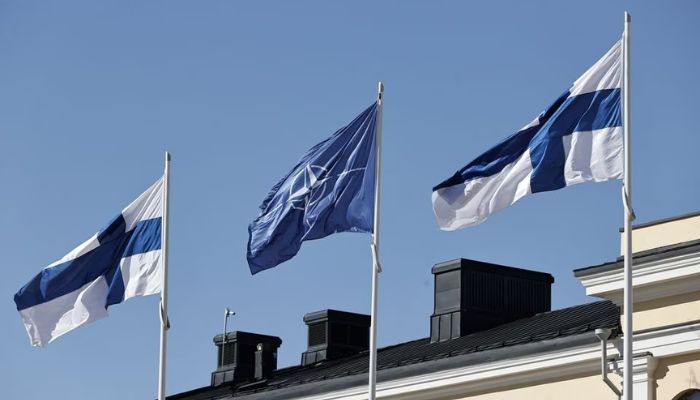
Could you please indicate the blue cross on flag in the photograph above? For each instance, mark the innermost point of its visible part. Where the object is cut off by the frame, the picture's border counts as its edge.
(330, 190)
(121, 261)
(577, 139)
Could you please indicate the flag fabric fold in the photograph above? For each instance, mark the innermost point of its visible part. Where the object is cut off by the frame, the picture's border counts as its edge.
(577, 139)
(330, 190)
(121, 261)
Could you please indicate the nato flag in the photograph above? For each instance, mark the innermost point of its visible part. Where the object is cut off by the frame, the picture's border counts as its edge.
(330, 190)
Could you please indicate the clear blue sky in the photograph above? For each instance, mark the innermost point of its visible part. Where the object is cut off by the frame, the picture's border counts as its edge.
(92, 93)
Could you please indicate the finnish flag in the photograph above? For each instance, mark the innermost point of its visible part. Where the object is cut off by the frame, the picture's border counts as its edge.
(577, 139)
(121, 261)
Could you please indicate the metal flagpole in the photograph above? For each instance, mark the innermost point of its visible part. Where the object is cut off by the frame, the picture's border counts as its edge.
(164, 323)
(628, 329)
(376, 268)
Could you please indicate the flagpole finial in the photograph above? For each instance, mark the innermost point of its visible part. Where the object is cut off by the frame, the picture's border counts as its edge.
(628, 17)
(167, 156)
(380, 88)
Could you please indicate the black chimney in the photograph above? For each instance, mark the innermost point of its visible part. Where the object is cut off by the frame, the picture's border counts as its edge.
(472, 295)
(242, 351)
(335, 334)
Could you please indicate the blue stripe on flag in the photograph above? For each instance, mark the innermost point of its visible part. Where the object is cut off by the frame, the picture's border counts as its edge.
(585, 112)
(114, 230)
(503, 154)
(494, 160)
(144, 238)
(115, 292)
(70, 276)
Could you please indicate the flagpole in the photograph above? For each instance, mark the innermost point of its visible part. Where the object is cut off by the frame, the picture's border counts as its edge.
(164, 323)
(376, 269)
(628, 329)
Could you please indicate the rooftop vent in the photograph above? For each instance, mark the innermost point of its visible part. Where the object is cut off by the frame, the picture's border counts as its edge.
(471, 296)
(334, 334)
(247, 357)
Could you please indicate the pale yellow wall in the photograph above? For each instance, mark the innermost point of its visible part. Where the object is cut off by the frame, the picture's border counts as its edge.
(664, 234)
(676, 374)
(673, 376)
(586, 387)
(666, 311)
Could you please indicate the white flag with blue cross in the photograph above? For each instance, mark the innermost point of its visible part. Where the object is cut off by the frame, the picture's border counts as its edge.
(577, 139)
(121, 261)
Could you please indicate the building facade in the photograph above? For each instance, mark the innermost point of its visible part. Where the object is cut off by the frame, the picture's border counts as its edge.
(493, 336)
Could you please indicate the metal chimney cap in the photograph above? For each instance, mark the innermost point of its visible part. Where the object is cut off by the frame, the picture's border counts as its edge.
(246, 337)
(337, 316)
(491, 268)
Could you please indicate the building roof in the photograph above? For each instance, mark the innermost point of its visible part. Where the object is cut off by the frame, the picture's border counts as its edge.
(663, 220)
(659, 253)
(540, 333)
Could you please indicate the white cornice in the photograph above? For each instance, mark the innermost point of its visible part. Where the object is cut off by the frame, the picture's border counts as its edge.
(471, 379)
(669, 342)
(523, 371)
(652, 280)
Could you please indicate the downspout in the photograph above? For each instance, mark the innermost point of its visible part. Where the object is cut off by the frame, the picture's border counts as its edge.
(603, 335)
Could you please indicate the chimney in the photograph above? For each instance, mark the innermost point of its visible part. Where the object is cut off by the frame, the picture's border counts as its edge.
(242, 353)
(471, 296)
(335, 334)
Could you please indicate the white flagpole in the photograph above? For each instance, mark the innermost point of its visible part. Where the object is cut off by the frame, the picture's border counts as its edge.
(376, 269)
(628, 329)
(164, 323)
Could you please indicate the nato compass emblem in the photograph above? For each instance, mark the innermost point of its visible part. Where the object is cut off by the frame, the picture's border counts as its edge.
(308, 187)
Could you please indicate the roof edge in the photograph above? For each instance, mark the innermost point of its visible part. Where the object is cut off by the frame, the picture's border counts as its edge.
(349, 382)
(663, 220)
(678, 249)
